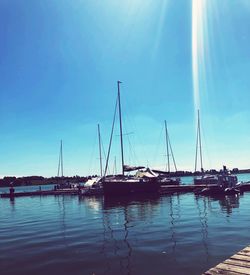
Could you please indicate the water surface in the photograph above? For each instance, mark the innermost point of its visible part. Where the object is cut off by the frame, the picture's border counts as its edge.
(179, 234)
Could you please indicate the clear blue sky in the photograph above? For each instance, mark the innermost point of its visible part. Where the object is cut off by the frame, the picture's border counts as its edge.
(60, 60)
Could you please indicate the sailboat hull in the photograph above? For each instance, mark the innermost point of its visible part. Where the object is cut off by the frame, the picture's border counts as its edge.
(115, 187)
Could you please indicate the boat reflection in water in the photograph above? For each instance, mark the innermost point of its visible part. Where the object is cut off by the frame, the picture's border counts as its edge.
(154, 227)
(122, 217)
(146, 234)
(227, 203)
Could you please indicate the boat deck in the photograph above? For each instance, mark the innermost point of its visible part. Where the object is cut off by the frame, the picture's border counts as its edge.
(237, 264)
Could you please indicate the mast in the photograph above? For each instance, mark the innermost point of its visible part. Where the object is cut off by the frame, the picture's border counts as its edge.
(200, 140)
(198, 144)
(100, 149)
(59, 163)
(120, 118)
(61, 159)
(167, 142)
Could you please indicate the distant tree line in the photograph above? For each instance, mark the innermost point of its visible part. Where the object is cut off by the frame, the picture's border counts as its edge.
(39, 180)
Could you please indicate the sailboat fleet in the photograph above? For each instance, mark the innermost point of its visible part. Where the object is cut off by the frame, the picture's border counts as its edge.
(147, 180)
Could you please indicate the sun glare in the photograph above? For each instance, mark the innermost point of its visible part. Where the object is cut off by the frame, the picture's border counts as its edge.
(199, 48)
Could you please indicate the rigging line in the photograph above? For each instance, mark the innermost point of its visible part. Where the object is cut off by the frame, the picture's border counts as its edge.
(114, 167)
(111, 136)
(92, 156)
(205, 146)
(167, 142)
(158, 144)
(172, 154)
(120, 120)
(132, 124)
(100, 149)
(133, 152)
(104, 153)
(130, 152)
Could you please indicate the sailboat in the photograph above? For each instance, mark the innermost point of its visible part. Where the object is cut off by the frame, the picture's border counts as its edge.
(62, 183)
(93, 186)
(224, 183)
(96, 181)
(203, 178)
(60, 163)
(122, 184)
(164, 176)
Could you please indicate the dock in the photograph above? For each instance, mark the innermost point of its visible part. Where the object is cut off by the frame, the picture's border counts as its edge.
(237, 264)
(167, 189)
(187, 188)
(41, 193)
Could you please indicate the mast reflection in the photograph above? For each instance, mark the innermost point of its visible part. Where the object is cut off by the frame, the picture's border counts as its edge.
(174, 218)
(201, 203)
(119, 215)
(205, 204)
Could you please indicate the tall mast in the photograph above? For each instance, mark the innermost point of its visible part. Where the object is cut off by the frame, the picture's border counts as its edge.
(198, 144)
(200, 139)
(120, 118)
(196, 149)
(100, 149)
(59, 163)
(61, 159)
(167, 142)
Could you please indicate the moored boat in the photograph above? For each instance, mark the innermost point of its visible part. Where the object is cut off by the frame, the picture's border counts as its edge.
(164, 177)
(122, 184)
(129, 185)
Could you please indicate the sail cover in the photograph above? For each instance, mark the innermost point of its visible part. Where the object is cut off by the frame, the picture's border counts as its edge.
(146, 174)
(128, 168)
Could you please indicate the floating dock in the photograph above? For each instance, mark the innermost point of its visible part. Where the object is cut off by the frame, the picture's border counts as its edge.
(171, 189)
(40, 193)
(167, 189)
(237, 264)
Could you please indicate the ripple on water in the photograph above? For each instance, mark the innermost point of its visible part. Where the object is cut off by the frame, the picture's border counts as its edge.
(181, 234)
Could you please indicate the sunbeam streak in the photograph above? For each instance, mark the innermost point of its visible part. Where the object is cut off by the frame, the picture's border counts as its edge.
(199, 48)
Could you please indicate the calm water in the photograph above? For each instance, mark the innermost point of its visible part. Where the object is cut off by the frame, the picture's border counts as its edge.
(181, 234)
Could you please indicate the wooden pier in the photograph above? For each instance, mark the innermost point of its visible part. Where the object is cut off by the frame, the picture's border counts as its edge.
(237, 264)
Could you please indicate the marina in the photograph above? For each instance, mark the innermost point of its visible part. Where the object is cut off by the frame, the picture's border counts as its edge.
(124, 137)
(164, 189)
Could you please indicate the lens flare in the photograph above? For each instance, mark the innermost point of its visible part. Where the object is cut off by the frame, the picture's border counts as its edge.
(200, 49)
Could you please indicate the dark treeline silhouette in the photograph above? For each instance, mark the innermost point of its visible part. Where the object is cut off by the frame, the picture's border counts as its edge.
(39, 180)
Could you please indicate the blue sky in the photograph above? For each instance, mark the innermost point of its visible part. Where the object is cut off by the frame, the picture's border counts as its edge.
(60, 61)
